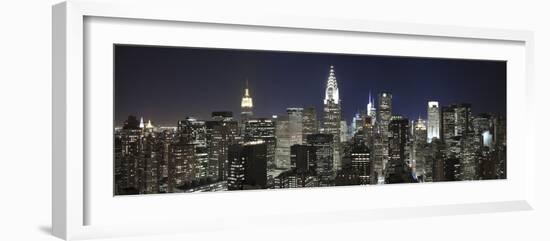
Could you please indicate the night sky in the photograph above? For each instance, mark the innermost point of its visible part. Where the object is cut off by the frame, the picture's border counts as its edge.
(167, 84)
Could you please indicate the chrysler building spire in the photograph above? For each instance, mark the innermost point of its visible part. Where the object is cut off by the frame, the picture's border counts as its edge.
(332, 118)
(331, 93)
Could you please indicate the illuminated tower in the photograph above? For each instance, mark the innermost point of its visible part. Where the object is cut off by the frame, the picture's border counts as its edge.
(333, 114)
(384, 112)
(309, 122)
(419, 145)
(383, 118)
(433, 120)
(246, 105)
(141, 125)
(371, 110)
(295, 125)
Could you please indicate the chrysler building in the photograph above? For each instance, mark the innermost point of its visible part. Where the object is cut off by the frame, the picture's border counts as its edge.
(332, 114)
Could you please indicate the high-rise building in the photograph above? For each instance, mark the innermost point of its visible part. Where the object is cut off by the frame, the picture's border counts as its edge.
(482, 127)
(309, 123)
(181, 167)
(499, 130)
(333, 114)
(419, 146)
(435, 161)
(247, 166)
(222, 132)
(368, 132)
(357, 123)
(398, 138)
(460, 143)
(262, 129)
(303, 158)
(456, 119)
(324, 148)
(246, 105)
(149, 168)
(469, 156)
(379, 157)
(371, 110)
(197, 137)
(130, 139)
(259, 128)
(344, 131)
(433, 120)
(463, 115)
(360, 162)
(282, 149)
(384, 114)
(295, 125)
(448, 123)
(398, 169)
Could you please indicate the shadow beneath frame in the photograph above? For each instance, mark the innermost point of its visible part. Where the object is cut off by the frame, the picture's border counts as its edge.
(46, 229)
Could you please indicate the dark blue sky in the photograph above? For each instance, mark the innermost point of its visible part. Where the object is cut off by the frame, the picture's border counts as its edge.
(166, 84)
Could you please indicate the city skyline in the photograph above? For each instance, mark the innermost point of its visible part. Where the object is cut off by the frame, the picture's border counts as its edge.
(298, 143)
(176, 76)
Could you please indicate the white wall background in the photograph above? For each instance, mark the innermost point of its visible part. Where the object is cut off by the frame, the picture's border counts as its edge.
(25, 118)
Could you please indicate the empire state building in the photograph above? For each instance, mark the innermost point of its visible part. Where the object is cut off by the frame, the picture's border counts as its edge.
(332, 114)
(246, 105)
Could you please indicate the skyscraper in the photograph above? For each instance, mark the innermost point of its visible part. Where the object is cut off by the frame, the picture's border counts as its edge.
(397, 168)
(197, 137)
(259, 129)
(398, 138)
(469, 156)
(333, 114)
(481, 125)
(282, 149)
(448, 123)
(344, 131)
(419, 147)
(463, 115)
(247, 166)
(433, 120)
(332, 109)
(324, 147)
(384, 112)
(262, 129)
(303, 157)
(383, 119)
(181, 167)
(309, 123)
(246, 105)
(357, 123)
(130, 140)
(222, 132)
(371, 110)
(360, 162)
(295, 125)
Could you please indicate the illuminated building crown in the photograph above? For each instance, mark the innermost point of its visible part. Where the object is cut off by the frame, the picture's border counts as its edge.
(370, 106)
(141, 125)
(331, 93)
(247, 100)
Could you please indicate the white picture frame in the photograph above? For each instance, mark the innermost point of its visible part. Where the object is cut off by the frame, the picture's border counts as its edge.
(75, 201)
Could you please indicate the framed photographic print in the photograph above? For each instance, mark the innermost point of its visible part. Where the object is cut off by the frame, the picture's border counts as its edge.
(203, 122)
(227, 119)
